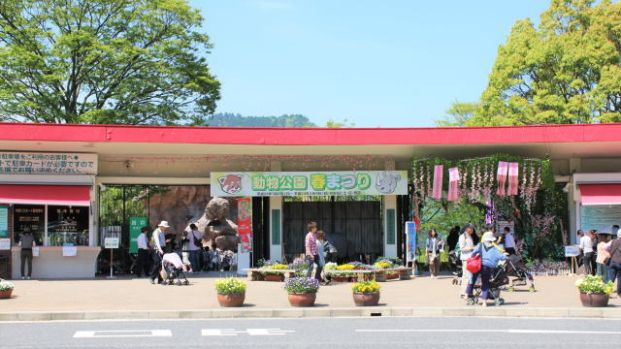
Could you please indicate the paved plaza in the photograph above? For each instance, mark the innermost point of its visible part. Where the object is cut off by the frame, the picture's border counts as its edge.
(556, 294)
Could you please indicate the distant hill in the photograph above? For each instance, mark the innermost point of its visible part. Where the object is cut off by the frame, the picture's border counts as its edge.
(237, 120)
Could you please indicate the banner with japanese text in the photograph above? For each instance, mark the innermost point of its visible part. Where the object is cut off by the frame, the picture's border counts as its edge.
(329, 183)
(48, 163)
(244, 223)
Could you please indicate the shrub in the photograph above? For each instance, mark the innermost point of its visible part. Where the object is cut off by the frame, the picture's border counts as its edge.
(230, 286)
(366, 287)
(279, 266)
(345, 267)
(330, 266)
(383, 265)
(300, 285)
(6, 285)
(594, 284)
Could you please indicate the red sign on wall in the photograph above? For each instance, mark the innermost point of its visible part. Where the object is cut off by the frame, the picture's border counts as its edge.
(244, 223)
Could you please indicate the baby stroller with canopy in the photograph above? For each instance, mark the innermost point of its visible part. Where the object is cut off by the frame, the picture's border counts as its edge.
(517, 269)
(499, 279)
(455, 265)
(173, 268)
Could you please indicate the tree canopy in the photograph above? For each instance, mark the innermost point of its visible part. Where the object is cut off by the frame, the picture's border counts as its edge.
(565, 70)
(237, 120)
(104, 61)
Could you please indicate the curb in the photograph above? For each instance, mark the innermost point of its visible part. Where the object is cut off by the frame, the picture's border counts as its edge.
(605, 313)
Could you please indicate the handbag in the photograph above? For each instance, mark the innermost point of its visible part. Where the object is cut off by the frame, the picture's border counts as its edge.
(473, 264)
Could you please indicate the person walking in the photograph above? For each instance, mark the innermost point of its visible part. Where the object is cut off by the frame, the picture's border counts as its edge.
(508, 241)
(432, 251)
(614, 266)
(586, 246)
(602, 256)
(453, 238)
(143, 253)
(321, 253)
(310, 248)
(158, 241)
(194, 247)
(467, 241)
(490, 256)
(26, 242)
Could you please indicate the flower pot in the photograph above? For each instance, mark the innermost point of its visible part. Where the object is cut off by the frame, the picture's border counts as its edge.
(302, 300)
(340, 279)
(392, 276)
(594, 299)
(274, 277)
(6, 294)
(380, 276)
(231, 300)
(366, 299)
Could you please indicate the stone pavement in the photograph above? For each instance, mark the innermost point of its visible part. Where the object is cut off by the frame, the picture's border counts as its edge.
(137, 298)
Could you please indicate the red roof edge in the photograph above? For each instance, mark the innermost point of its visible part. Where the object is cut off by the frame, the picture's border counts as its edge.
(310, 136)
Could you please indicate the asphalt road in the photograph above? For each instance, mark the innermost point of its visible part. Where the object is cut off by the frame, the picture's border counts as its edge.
(396, 332)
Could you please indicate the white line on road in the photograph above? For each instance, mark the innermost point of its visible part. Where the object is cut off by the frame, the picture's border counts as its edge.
(268, 332)
(217, 332)
(210, 332)
(519, 331)
(123, 334)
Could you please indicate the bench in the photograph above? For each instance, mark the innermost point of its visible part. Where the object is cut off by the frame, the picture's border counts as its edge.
(360, 275)
(378, 275)
(258, 274)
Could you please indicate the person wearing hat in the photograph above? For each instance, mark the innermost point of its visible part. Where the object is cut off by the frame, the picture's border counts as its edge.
(158, 241)
(490, 256)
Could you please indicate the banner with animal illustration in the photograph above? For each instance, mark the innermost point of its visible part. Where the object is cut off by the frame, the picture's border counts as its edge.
(330, 183)
(244, 223)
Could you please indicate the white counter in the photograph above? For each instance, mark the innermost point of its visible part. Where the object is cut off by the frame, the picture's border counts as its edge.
(51, 264)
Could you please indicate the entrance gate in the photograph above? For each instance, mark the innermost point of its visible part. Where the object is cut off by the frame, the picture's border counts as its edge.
(354, 227)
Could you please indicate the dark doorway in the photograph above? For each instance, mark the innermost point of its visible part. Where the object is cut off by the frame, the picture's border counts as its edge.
(354, 227)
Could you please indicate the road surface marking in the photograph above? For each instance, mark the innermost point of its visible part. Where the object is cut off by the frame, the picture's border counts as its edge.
(267, 332)
(217, 332)
(519, 331)
(122, 334)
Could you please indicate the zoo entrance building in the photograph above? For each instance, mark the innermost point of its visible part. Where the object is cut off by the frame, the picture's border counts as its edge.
(80, 187)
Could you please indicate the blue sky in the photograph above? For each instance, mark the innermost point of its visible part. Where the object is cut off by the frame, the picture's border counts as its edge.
(382, 63)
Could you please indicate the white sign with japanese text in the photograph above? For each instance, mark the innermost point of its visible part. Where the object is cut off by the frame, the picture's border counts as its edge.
(5, 244)
(329, 183)
(111, 242)
(17, 163)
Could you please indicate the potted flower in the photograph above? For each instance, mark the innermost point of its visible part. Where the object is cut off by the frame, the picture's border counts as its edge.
(6, 289)
(231, 292)
(366, 293)
(272, 273)
(593, 291)
(302, 291)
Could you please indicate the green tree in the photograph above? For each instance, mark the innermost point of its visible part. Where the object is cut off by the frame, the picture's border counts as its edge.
(459, 114)
(339, 124)
(566, 70)
(104, 61)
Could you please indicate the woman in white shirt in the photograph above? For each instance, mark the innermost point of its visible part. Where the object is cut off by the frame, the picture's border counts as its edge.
(467, 241)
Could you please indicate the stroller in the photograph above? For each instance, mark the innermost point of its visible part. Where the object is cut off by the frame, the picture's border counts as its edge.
(173, 268)
(455, 265)
(522, 277)
(499, 279)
